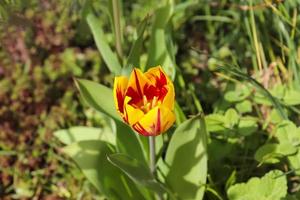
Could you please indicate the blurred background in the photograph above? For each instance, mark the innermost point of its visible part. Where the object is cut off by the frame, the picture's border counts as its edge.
(44, 44)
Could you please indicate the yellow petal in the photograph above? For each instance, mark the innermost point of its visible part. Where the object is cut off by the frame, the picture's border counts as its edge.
(156, 121)
(131, 114)
(120, 86)
(169, 99)
(153, 73)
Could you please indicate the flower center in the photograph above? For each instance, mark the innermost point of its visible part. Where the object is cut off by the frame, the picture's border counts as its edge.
(149, 104)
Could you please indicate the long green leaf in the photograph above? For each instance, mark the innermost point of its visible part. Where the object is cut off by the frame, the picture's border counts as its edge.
(90, 156)
(158, 53)
(81, 133)
(137, 171)
(129, 143)
(133, 59)
(98, 97)
(187, 159)
(101, 99)
(107, 54)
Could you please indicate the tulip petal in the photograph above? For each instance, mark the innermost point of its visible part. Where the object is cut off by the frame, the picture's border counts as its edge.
(169, 99)
(162, 81)
(131, 114)
(155, 122)
(136, 84)
(158, 76)
(120, 86)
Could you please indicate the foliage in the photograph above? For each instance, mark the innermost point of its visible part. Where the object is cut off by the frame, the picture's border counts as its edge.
(240, 59)
(271, 186)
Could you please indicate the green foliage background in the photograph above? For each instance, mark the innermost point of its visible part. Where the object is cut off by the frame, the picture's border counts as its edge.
(240, 59)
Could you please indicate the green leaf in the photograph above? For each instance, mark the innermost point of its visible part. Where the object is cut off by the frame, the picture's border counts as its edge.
(236, 95)
(292, 97)
(286, 149)
(137, 171)
(90, 156)
(180, 116)
(81, 133)
(231, 118)
(267, 154)
(98, 97)
(247, 126)
(278, 91)
(273, 117)
(158, 53)
(101, 99)
(129, 143)
(261, 99)
(107, 54)
(271, 153)
(286, 131)
(187, 158)
(294, 161)
(135, 52)
(215, 122)
(266, 95)
(272, 186)
(244, 106)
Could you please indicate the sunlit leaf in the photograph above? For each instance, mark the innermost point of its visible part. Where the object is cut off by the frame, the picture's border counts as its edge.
(231, 118)
(187, 158)
(272, 186)
(81, 133)
(215, 122)
(244, 106)
(107, 54)
(287, 132)
(292, 97)
(101, 99)
(133, 59)
(90, 156)
(158, 53)
(137, 171)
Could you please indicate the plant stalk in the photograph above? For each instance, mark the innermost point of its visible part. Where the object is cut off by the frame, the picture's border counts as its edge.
(152, 160)
(117, 26)
(152, 154)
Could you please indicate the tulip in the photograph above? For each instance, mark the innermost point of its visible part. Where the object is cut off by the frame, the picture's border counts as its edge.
(145, 101)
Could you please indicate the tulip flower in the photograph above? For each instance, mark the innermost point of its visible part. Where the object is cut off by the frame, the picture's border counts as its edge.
(145, 101)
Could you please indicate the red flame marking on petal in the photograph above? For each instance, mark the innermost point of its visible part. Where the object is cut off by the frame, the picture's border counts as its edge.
(120, 99)
(158, 122)
(139, 128)
(135, 97)
(161, 81)
(150, 91)
(138, 85)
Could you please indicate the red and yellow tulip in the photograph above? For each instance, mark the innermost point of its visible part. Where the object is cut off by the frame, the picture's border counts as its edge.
(146, 100)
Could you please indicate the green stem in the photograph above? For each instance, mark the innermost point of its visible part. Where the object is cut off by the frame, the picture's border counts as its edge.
(152, 154)
(152, 161)
(117, 27)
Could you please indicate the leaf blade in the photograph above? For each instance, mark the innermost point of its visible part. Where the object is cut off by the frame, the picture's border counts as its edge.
(90, 156)
(81, 133)
(187, 176)
(127, 140)
(107, 54)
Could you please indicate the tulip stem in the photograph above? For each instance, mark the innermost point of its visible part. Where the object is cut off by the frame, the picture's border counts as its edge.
(152, 154)
(152, 160)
